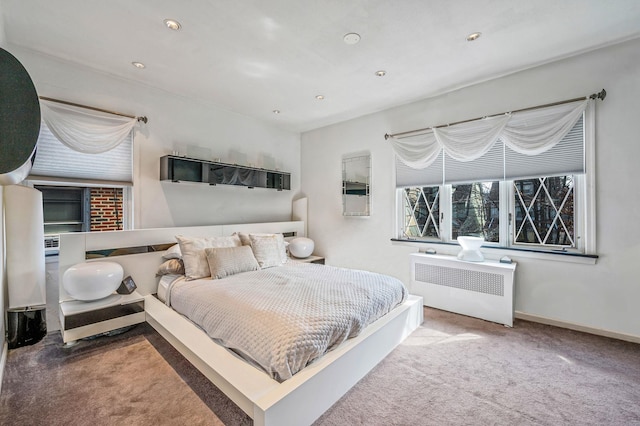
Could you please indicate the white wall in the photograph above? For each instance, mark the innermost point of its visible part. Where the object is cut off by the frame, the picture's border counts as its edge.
(176, 120)
(602, 296)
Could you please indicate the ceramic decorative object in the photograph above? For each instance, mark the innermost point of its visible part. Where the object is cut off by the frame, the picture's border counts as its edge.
(301, 247)
(471, 249)
(92, 280)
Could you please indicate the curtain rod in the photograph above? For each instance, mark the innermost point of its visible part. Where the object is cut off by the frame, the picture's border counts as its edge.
(600, 95)
(44, 98)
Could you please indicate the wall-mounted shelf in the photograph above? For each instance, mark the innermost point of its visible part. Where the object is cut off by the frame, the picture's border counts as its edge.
(181, 169)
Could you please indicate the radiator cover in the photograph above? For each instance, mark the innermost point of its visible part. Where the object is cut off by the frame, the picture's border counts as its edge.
(478, 289)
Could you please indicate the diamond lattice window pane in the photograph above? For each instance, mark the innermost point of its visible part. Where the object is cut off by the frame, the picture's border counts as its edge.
(544, 211)
(421, 212)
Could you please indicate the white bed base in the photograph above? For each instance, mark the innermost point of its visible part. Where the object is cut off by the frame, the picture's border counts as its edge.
(297, 401)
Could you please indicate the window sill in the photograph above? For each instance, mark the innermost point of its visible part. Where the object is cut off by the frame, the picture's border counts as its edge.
(493, 252)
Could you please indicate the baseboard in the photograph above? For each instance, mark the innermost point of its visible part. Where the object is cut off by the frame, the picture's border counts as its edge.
(578, 327)
(3, 361)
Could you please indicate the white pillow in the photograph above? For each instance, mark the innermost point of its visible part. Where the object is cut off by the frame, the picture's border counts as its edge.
(225, 261)
(173, 252)
(282, 244)
(193, 255)
(268, 249)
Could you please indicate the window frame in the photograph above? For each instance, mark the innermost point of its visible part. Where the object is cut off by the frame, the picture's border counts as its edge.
(127, 193)
(584, 205)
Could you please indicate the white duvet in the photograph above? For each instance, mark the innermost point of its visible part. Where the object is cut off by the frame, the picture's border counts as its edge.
(284, 318)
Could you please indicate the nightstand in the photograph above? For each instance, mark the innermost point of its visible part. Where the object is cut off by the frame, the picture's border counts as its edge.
(80, 319)
(311, 259)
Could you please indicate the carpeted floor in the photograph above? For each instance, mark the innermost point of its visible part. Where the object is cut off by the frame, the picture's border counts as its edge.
(454, 370)
(133, 378)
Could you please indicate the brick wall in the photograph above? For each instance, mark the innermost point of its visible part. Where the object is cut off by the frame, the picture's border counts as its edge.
(106, 209)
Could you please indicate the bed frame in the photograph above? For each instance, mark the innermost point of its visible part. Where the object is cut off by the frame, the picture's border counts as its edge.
(297, 401)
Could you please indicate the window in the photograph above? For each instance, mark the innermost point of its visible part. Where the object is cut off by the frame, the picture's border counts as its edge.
(544, 211)
(475, 210)
(422, 212)
(81, 192)
(81, 209)
(532, 204)
(539, 213)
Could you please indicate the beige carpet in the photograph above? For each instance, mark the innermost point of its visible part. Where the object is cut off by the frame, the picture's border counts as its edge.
(454, 370)
(126, 382)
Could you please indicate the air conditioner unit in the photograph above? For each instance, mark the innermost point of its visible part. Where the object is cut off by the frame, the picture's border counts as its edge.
(477, 289)
(51, 244)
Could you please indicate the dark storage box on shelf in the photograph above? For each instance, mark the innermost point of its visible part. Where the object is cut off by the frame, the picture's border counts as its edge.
(179, 169)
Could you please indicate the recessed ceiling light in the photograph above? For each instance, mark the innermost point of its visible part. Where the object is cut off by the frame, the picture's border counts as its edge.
(351, 38)
(138, 65)
(172, 24)
(319, 97)
(381, 73)
(473, 36)
(276, 111)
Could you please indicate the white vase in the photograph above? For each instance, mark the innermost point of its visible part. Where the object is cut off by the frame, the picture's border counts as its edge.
(470, 249)
(301, 247)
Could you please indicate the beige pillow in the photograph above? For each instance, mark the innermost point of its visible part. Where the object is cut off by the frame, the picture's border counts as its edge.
(171, 266)
(268, 249)
(227, 261)
(193, 255)
(282, 244)
(244, 238)
(173, 252)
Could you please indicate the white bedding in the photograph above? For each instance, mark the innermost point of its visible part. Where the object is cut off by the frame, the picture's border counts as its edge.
(283, 318)
(163, 286)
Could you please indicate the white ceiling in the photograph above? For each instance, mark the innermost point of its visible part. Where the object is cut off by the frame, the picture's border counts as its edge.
(254, 56)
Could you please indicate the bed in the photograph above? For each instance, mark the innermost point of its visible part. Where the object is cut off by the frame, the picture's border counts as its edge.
(270, 397)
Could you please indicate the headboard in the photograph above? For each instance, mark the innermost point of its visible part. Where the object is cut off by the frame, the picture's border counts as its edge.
(140, 251)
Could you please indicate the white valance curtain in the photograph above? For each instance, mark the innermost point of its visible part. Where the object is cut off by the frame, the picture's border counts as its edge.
(530, 132)
(55, 160)
(84, 130)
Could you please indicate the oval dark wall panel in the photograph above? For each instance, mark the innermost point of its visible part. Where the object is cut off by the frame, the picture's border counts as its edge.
(19, 120)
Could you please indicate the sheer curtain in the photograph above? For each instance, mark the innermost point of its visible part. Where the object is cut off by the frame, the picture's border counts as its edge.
(417, 151)
(529, 132)
(536, 131)
(84, 130)
(471, 140)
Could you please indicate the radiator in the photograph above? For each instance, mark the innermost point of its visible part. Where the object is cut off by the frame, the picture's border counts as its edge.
(477, 289)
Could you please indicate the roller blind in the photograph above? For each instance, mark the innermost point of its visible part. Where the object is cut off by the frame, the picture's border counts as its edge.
(408, 177)
(489, 167)
(53, 159)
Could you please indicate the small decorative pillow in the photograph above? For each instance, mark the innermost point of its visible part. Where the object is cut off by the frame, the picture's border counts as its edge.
(194, 257)
(268, 249)
(173, 252)
(227, 261)
(171, 266)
